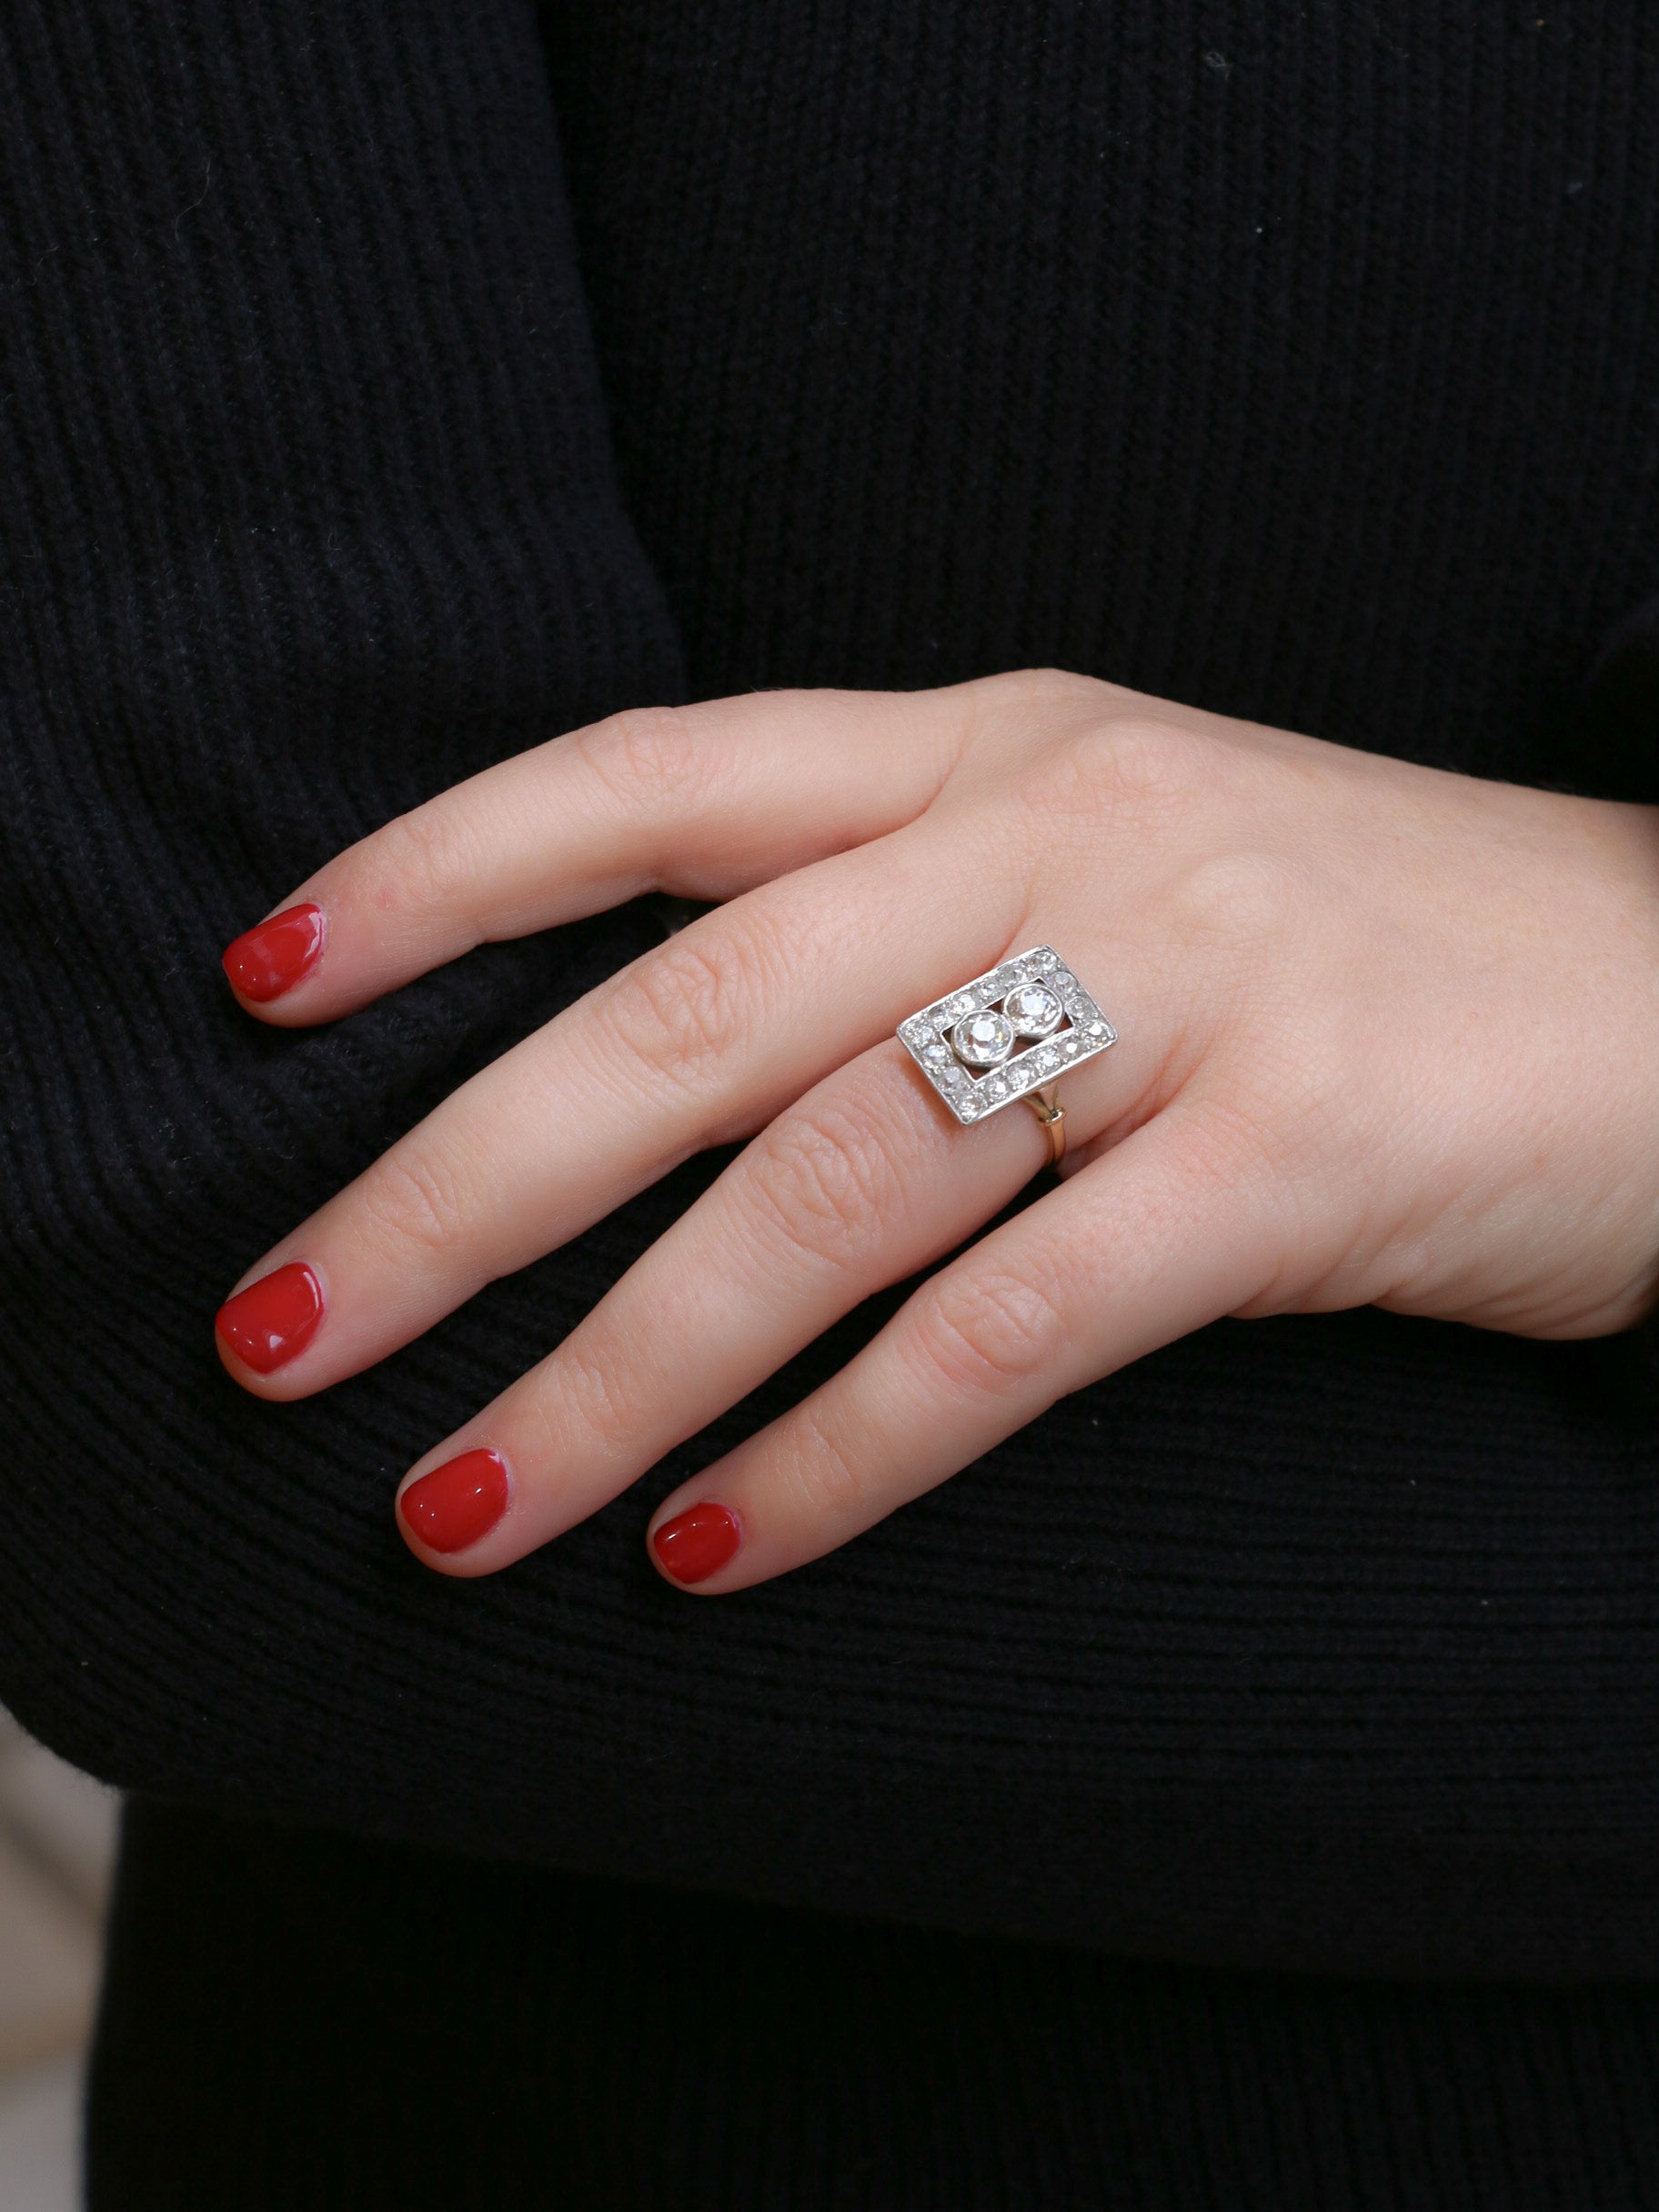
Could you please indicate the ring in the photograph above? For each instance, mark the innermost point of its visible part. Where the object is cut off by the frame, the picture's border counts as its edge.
(1052, 1115)
(1006, 1035)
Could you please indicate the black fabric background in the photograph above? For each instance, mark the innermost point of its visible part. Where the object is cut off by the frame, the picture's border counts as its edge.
(404, 2034)
(1301, 365)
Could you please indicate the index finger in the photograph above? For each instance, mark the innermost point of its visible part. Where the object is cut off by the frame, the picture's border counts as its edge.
(706, 801)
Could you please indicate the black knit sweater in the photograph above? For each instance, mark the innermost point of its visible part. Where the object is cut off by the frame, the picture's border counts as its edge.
(389, 384)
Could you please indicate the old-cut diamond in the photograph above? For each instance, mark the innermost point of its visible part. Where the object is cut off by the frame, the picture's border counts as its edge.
(1033, 1010)
(984, 1040)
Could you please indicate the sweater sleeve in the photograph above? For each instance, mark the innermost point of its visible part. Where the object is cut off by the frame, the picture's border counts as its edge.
(308, 512)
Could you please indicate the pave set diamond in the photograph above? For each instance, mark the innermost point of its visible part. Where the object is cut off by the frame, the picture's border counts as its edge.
(1007, 1033)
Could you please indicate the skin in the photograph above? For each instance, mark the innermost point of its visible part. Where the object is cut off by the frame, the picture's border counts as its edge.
(1385, 1037)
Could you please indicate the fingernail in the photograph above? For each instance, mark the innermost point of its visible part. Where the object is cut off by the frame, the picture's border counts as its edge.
(458, 1502)
(697, 1542)
(265, 961)
(272, 1320)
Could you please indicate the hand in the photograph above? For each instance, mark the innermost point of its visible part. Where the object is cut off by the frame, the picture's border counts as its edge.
(1387, 1036)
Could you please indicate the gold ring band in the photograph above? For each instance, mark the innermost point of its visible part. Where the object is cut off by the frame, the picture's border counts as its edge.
(1052, 1115)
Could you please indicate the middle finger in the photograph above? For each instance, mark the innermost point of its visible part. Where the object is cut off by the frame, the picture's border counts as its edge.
(698, 1042)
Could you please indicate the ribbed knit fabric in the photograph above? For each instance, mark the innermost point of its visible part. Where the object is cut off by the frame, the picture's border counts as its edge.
(1272, 359)
(392, 2040)
(1303, 363)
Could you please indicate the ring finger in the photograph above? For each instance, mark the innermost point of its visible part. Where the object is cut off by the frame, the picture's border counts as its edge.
(856, 1187)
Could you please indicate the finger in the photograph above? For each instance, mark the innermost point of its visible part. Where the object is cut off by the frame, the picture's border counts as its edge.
(858, 1186)
(699, 1042)
(1165, 1233)
(705, 801)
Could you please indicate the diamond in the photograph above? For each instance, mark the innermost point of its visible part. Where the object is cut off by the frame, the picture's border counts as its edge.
(950, 1075)
(936, 1052)
(1033, 1010)
(983, 1041)
(999, 1090)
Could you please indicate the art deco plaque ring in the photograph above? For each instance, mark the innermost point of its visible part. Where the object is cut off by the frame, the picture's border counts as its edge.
(1010, 1034)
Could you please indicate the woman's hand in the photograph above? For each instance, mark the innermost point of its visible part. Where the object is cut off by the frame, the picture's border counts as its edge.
(1387, 1036)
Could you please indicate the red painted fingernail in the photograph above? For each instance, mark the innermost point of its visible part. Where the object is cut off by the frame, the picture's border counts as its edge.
(265, 961)
(697, 1542)
(272, 1320)
(458, 1502)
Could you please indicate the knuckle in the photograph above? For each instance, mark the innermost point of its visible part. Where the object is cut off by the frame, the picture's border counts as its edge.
(1065, 689)
(650, 756)
(1240, 899)
(828, 1482)
(414, 1196)
(1144, 755)
(985, 1331)
(595, 1393)
(825, 1181)
(429, 861)
(689, 1005)
(1096, 772)
(1138, 765)
(1059, 696)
